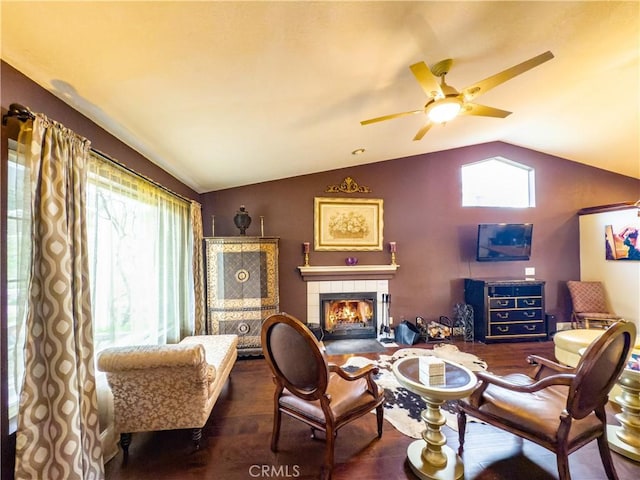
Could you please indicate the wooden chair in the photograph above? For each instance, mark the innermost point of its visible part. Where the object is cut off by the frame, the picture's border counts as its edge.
(309, 389)
(559, 408)
(590, 304)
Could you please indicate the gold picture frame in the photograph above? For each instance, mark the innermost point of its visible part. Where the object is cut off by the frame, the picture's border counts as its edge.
(348, 224)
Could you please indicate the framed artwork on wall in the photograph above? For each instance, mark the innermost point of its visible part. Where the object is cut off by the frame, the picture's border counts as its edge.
(621, 243)
(348, 224)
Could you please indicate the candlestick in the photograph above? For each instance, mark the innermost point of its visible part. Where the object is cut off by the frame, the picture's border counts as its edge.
(393, 249)
(261, 226)
(213, 225)
(305, 250)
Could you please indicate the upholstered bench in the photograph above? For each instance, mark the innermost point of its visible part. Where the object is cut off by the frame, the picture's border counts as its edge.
(167, 387)
(569, 343)
(568, 346)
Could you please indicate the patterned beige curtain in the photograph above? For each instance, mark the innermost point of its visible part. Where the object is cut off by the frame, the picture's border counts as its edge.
(198, 275)
(58, 432)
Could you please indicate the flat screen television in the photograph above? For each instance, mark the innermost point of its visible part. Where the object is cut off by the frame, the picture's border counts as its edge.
(501, 242)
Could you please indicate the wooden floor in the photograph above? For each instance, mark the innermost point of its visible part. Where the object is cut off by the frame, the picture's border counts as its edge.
(235, 443)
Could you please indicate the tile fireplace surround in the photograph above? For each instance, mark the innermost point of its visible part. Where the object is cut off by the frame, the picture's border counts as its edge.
(314, 289)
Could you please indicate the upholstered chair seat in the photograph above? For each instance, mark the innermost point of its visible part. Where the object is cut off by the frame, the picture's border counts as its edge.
(346, 397)
(537, 414)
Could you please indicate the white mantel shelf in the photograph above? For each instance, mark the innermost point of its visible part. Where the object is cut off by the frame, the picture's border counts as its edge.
(333, 272)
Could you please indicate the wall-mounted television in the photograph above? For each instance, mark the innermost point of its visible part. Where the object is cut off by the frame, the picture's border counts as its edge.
(500, 242)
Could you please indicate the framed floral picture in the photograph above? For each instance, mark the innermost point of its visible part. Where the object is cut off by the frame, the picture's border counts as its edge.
(348, 223)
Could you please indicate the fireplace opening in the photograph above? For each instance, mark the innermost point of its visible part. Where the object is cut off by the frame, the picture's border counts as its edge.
(348, 315)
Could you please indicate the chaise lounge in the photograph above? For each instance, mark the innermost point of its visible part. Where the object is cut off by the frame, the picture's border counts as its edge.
(167, 387)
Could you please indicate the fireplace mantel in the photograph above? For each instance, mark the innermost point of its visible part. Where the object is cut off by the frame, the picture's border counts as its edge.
(344, 272)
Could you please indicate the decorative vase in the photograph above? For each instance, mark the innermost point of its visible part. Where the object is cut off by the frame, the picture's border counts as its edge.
(351, 261)
(242, 219)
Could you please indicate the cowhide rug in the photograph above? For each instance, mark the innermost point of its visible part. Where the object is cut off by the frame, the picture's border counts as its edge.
(402, 408)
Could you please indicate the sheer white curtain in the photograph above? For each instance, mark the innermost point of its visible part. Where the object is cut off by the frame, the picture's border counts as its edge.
(140, 258)
(18, 264)
(141, 271)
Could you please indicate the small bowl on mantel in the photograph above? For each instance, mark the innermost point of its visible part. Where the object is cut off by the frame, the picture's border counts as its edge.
(351, 261)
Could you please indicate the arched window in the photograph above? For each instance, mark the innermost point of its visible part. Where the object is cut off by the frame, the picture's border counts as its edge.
(498, 182)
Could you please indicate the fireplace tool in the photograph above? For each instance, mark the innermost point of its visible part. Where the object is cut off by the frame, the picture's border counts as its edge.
(385, 329)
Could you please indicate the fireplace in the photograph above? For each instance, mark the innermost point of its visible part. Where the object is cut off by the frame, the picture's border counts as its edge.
(348, 315)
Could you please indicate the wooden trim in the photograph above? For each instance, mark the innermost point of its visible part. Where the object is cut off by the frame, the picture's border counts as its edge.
(609, 208)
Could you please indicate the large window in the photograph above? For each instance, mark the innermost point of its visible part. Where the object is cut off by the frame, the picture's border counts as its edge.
(498, 182)
(140, 248)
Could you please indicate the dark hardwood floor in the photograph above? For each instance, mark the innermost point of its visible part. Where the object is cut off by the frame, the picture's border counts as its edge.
(235, 443)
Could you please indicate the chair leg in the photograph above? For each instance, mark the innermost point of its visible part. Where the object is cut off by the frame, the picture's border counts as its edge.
(562, 459)
(125, 441)
(329, 450)
(462, 425)
(380, 418)
(275, 434)
(605, 455)
(196, 436)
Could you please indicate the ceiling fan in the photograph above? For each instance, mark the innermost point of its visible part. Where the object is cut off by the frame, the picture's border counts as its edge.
(445, 102)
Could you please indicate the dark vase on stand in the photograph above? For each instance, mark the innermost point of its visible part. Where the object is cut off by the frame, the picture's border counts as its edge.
(242, 220)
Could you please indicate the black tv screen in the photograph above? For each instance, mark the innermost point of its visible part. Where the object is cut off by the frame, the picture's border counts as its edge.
(500, 242)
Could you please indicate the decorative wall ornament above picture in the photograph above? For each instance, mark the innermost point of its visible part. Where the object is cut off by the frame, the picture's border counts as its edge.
(348, 185)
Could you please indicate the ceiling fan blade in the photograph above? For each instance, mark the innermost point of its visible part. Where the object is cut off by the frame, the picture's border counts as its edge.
(422, 131)
(427, 80)
(483, 86)
(389, 117)
(483, 110)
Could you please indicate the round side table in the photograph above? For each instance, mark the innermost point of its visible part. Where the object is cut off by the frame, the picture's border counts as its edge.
(430, 458)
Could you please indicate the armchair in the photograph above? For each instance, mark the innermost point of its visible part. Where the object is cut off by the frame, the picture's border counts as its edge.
(589, 304)
(311, 390)
(558, 407)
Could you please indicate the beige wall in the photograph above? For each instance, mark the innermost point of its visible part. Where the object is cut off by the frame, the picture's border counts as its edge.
(621, 278)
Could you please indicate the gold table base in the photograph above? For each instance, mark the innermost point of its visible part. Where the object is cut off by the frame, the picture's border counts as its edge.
(453, 469)
(625, 438)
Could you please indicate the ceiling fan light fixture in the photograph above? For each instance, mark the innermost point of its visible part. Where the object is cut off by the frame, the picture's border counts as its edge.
(443, 110)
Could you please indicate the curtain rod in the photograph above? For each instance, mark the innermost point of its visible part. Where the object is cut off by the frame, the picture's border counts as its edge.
(18, 111)
(23, 114)
(139, 175)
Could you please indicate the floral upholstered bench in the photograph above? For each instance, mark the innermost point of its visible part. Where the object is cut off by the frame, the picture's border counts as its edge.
(167, 387)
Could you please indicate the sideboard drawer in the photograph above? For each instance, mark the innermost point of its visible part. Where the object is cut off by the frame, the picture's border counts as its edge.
(495, 303)
(508, 329)
(516, 315)
(529, 302)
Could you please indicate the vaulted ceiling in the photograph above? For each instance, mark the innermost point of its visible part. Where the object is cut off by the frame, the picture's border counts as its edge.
(222, 94)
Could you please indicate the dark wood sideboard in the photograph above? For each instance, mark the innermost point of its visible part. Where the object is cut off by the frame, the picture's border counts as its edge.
(507, 310)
